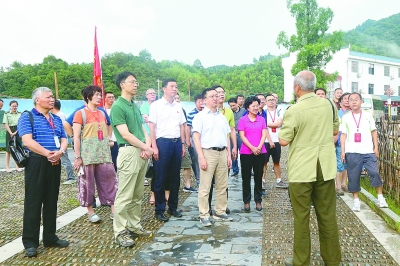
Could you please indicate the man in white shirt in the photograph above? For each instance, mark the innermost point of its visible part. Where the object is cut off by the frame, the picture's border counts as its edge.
(359, 144)
(274, 122)
(210, 135)
(167, 133)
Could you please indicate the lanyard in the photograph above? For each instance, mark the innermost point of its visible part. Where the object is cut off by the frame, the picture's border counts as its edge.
(273, 119)
(359, 119)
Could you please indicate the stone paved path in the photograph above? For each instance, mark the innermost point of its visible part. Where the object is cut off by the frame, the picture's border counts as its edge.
(255, 238)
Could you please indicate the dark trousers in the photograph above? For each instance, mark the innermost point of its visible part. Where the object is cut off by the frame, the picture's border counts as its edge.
(322, 194)
(114, 155)
(42, 184)
(247, 163)
(168, 168)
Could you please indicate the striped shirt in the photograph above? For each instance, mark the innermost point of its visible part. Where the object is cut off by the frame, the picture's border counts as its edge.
(42, 133)
(190, 116)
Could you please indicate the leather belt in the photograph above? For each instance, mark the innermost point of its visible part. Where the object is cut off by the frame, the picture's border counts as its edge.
(217, 149)
(124, 145)
(170, 139)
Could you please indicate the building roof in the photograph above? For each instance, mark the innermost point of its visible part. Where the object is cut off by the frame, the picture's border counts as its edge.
(394, 98)
(375, 57)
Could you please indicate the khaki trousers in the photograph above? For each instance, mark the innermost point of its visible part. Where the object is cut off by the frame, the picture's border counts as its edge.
(128, 202)
(217, 164)
(323, 195)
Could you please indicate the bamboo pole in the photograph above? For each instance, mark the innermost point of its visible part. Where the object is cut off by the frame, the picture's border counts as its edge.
(56, 84)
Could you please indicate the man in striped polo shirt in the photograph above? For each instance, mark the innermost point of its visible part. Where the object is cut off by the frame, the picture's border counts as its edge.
(45, 138)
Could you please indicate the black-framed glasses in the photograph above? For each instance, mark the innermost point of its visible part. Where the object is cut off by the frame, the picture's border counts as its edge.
(132, 81)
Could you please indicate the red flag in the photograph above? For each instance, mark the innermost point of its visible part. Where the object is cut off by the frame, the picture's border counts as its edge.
(97, 80)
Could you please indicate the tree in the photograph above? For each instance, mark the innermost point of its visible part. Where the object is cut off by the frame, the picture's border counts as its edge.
(314, 46)
(197, 64)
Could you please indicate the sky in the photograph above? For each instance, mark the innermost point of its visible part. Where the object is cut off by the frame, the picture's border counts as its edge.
(217, 32)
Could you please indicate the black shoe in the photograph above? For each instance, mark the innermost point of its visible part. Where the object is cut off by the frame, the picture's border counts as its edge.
(259, 208)
(227, 211)
(161, 217)
(59, 244)
(176, 213)
(247, 209)
(31, 252)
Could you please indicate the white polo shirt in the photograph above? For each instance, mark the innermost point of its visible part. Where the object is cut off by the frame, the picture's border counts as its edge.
(213, 128)
(348, 126)
(273, 115)
(167, 118)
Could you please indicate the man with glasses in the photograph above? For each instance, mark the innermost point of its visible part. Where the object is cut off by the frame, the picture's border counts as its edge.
(274, 123)
(134, 152)
(210, 131)
(109, 100)
(145, 107)
(167, 133)
(227, 112)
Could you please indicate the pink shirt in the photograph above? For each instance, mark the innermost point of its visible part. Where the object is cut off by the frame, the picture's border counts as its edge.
(252, 131)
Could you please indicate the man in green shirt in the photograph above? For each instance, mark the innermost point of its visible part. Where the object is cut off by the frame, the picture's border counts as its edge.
(134, 152)
(309, 127)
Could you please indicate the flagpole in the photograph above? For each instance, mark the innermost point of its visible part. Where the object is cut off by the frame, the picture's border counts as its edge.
(97, 73)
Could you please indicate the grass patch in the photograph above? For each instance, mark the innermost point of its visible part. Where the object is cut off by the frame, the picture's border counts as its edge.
(392, 204)
(73, 202)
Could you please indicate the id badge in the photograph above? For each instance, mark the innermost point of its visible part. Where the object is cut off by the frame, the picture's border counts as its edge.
(100, 135)
(273, 129)
(357, 137)
(57, 142)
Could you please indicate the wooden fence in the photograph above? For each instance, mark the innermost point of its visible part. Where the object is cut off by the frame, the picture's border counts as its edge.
(389, 157)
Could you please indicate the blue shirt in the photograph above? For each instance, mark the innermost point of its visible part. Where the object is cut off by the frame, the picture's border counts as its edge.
(70, 118)
(190, 116)
(43, 133)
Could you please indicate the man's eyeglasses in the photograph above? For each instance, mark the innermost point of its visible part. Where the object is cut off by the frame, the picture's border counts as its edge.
(213, 96)
(271, 100)
(132, 81)
(110, 97)
(220, 92)
(151, 93)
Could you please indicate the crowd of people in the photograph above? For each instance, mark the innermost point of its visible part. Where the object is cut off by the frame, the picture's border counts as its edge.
(116, 146)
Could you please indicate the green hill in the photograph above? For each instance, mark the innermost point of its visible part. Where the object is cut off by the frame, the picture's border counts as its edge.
(380, 37)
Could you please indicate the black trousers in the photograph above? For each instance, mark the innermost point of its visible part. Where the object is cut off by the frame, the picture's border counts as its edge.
(249, 162)
(42, 184)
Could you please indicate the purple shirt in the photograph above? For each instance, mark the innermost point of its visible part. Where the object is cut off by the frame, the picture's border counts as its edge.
(252, 131)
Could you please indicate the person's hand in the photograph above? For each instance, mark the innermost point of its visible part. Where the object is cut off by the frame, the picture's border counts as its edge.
(229, 162)
(343, 157)
(77, 163)
(234, 153)
(188, 144)
(271, 144)
(147, 153)
(376, 151)
(203, 164)
(255, 150)
(54, 156)
(155, 153)
(111, 143)
(183, 151)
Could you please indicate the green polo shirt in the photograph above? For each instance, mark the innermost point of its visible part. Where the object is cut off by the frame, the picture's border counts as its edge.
(124, 112)
(308, 126)
(228, 113)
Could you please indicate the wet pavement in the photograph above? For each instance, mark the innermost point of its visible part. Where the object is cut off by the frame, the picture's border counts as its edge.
(255, 238)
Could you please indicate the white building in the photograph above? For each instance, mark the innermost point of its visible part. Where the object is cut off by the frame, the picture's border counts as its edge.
(358, 72)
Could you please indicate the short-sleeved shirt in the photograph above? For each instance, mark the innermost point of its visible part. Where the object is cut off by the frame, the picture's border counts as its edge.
(112, 134)
(237, 115)
(2, 112)
(11, 119)
(228, 113)
(252, 131)
(213, 128)
(145, 110)
(167, 118)
(93, 150)
(273, 116)
(70, 118)
(42, 131)
(349, 127)
(125, 112)
(308, 126)
(61, 115)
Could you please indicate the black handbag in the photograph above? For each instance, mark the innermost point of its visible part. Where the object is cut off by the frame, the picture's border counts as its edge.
(150, 170)
(19, 154)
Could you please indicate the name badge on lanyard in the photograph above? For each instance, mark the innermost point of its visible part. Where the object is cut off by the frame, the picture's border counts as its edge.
(56, 139)
(357, 136)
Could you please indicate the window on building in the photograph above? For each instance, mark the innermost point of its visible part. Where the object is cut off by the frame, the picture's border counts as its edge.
(354, 66)
(354, 87)
(398, 91)
(370, 88)
(371, 69)
(399, 72)
(386, 71)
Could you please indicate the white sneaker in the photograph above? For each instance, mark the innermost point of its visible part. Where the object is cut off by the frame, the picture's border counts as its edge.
(94, 218)
(382, 203)
(357, 206)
